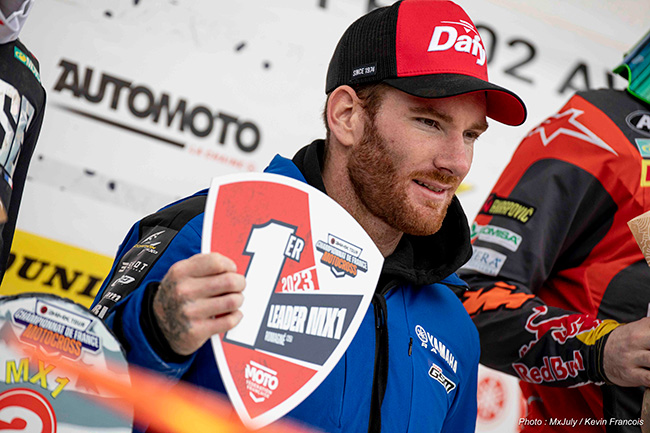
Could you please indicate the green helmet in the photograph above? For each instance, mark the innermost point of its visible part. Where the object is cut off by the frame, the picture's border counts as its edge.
(636, 68)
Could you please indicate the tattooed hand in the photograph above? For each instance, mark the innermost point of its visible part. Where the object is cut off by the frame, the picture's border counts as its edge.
(197, 298)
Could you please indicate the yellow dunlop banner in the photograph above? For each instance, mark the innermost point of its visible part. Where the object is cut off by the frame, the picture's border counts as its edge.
(38, 264)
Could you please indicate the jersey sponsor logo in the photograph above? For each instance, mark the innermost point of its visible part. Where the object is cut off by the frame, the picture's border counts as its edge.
(446, 37)
(486, 261)
(437, 347)
(496, 235)
(639, 121)
(16, 115)
(499, 295)
(561, 328)
(343, 258)
(149, 240)
(133, 267)
(554, 369)
(436, 373)
(645, 175)
(124, 279)
(557, 125)
(509, 208)
(25, 60)
(643, 144)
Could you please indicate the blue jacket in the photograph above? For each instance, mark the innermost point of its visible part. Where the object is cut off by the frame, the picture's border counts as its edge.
(413, 362)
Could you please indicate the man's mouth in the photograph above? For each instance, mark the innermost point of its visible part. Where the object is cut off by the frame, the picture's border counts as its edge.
(426, 185)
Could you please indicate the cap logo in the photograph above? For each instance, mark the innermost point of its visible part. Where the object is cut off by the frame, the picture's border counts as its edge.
(463, 43)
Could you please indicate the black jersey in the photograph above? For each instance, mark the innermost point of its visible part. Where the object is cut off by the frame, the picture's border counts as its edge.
(22, 99)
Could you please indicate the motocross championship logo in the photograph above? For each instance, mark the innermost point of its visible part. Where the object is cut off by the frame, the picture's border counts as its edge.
(342, 257)
(56, 330)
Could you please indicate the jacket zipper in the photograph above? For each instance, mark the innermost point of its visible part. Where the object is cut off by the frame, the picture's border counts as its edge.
(380, 373)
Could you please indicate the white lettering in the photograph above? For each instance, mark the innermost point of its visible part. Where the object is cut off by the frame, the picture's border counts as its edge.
(644, 122)
(451, 33)
(445, 37)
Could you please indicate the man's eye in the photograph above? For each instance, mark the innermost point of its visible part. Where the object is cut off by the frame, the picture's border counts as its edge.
(429, 122)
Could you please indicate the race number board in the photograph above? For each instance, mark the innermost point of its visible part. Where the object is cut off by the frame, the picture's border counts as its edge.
(311, 271)
(38, 396)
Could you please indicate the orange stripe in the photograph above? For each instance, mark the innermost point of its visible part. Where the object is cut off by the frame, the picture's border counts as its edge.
(181, 408)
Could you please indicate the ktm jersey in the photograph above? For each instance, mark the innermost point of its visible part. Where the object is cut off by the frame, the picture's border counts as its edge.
(555, 267)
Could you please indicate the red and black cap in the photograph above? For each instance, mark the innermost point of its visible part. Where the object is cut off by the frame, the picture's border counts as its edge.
(426, 48)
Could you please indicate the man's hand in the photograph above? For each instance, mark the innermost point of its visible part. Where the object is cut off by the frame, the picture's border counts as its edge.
(627, 354)
(197, 298)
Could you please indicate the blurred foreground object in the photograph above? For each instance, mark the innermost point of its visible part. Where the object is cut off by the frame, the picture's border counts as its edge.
(35, 349)
(39, 334)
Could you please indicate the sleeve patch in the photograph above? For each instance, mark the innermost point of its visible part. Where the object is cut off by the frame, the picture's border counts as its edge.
(134, 266)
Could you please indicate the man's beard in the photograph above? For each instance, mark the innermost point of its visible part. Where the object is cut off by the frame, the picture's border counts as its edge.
(378, 185)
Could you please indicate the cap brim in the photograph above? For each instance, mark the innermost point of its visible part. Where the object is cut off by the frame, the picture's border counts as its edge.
(502, 105)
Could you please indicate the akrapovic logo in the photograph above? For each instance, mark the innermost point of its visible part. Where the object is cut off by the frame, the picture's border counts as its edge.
(446, 37)
(142, 102)
(509, 208)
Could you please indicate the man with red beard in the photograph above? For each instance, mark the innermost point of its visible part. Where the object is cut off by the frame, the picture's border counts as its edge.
(408, 96)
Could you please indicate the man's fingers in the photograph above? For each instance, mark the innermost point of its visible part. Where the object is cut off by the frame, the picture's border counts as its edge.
(197, 298)
(224, 323)
(216, 306)
(642, 359)
(202, 265)
(215, 285)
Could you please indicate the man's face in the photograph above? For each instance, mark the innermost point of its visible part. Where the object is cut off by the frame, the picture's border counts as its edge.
(413, 156)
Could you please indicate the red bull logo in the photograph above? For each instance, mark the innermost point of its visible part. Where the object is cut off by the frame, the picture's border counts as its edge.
(553, 369)
(560, 328)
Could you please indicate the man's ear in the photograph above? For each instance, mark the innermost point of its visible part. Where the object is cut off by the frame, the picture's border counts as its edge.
(345, 115)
